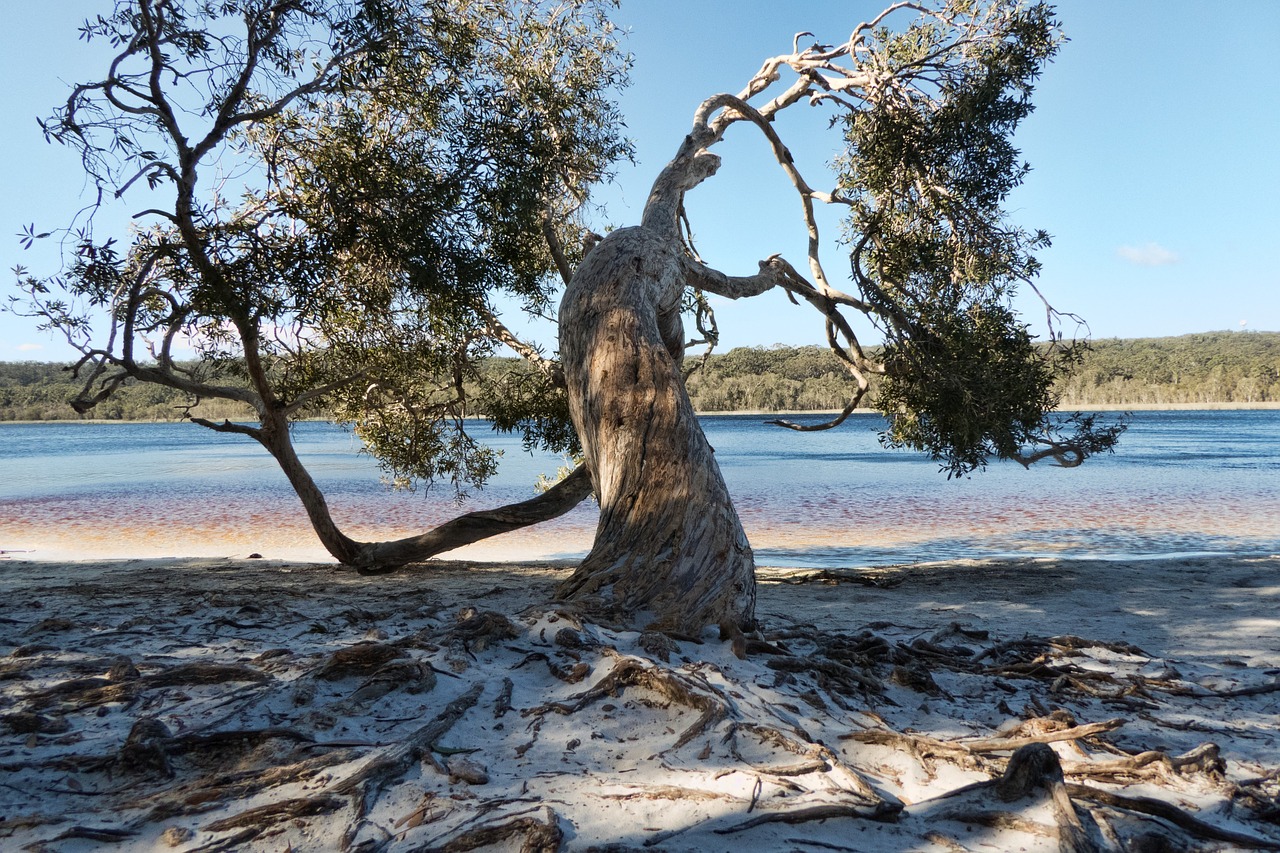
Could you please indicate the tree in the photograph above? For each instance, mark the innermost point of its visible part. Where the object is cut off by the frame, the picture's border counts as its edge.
(440, 156)
(927, 115)
(336, 190)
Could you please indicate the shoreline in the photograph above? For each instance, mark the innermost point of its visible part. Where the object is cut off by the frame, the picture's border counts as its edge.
(507, 556)
(263, 705)
(1263, 406)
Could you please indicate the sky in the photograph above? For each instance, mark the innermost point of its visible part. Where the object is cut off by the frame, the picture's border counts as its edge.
(1153, 147)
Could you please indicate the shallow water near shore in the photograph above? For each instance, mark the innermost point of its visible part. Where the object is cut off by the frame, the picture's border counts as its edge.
(1181, 483)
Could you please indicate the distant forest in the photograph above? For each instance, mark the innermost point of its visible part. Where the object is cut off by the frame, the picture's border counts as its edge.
(1211, 368)
(1216, 367)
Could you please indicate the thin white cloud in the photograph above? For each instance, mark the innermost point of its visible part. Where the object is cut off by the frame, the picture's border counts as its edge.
(30, 347)
(1148, 255)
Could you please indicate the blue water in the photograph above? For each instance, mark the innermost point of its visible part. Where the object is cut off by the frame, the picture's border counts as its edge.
(1180, 483)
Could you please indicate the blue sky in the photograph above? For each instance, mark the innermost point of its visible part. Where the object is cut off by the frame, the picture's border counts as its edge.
(1153, 147)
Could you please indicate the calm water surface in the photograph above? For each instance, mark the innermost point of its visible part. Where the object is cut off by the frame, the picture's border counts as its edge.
(1181, 483)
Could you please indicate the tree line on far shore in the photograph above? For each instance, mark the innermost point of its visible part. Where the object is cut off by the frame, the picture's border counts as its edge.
(1210, 368)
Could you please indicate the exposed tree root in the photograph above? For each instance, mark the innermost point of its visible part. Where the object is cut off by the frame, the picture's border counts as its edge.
(881, 812)
(394, 762)
(363, 659)
(631, 672)
(202, 794)
(839, 676)
(1149, 765)
(1260, 796)
(1037, 766)
(1171, 813)
(101, 834)
(275, 812)
(78, 693)
(1013, 743)
(346, 732)
(480, 629)
(539, 836)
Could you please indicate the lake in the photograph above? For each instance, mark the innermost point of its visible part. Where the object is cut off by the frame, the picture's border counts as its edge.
(1185, 482)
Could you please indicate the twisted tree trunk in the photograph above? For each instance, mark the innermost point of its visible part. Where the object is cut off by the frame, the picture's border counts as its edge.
(669, 552)
(669, 548)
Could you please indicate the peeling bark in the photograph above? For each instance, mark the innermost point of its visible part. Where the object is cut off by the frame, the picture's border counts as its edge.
(670, 553)
(669, 550)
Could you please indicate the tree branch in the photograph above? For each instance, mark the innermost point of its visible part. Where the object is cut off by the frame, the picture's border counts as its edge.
(227, 427)
(497, 329)
(773, 272)
(310, 394)
(475, 526)
(831, 424)
(556, 248)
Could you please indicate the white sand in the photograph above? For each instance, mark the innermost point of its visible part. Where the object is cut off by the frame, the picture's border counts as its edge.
(684, 754)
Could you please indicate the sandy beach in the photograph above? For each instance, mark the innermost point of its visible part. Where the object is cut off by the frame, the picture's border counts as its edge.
(217, 704)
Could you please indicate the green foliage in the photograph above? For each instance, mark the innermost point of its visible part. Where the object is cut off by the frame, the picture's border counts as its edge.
(1216, 367)
(516, 397)
(967, 386)
(334, 206)
(928, 164)
(1240, 368)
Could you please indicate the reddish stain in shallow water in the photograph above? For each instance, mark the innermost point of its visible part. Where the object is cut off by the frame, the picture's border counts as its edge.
(155, 525)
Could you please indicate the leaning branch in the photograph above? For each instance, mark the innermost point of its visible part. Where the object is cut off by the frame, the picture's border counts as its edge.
(1065, 455)
(380, 557)
(194, 388)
